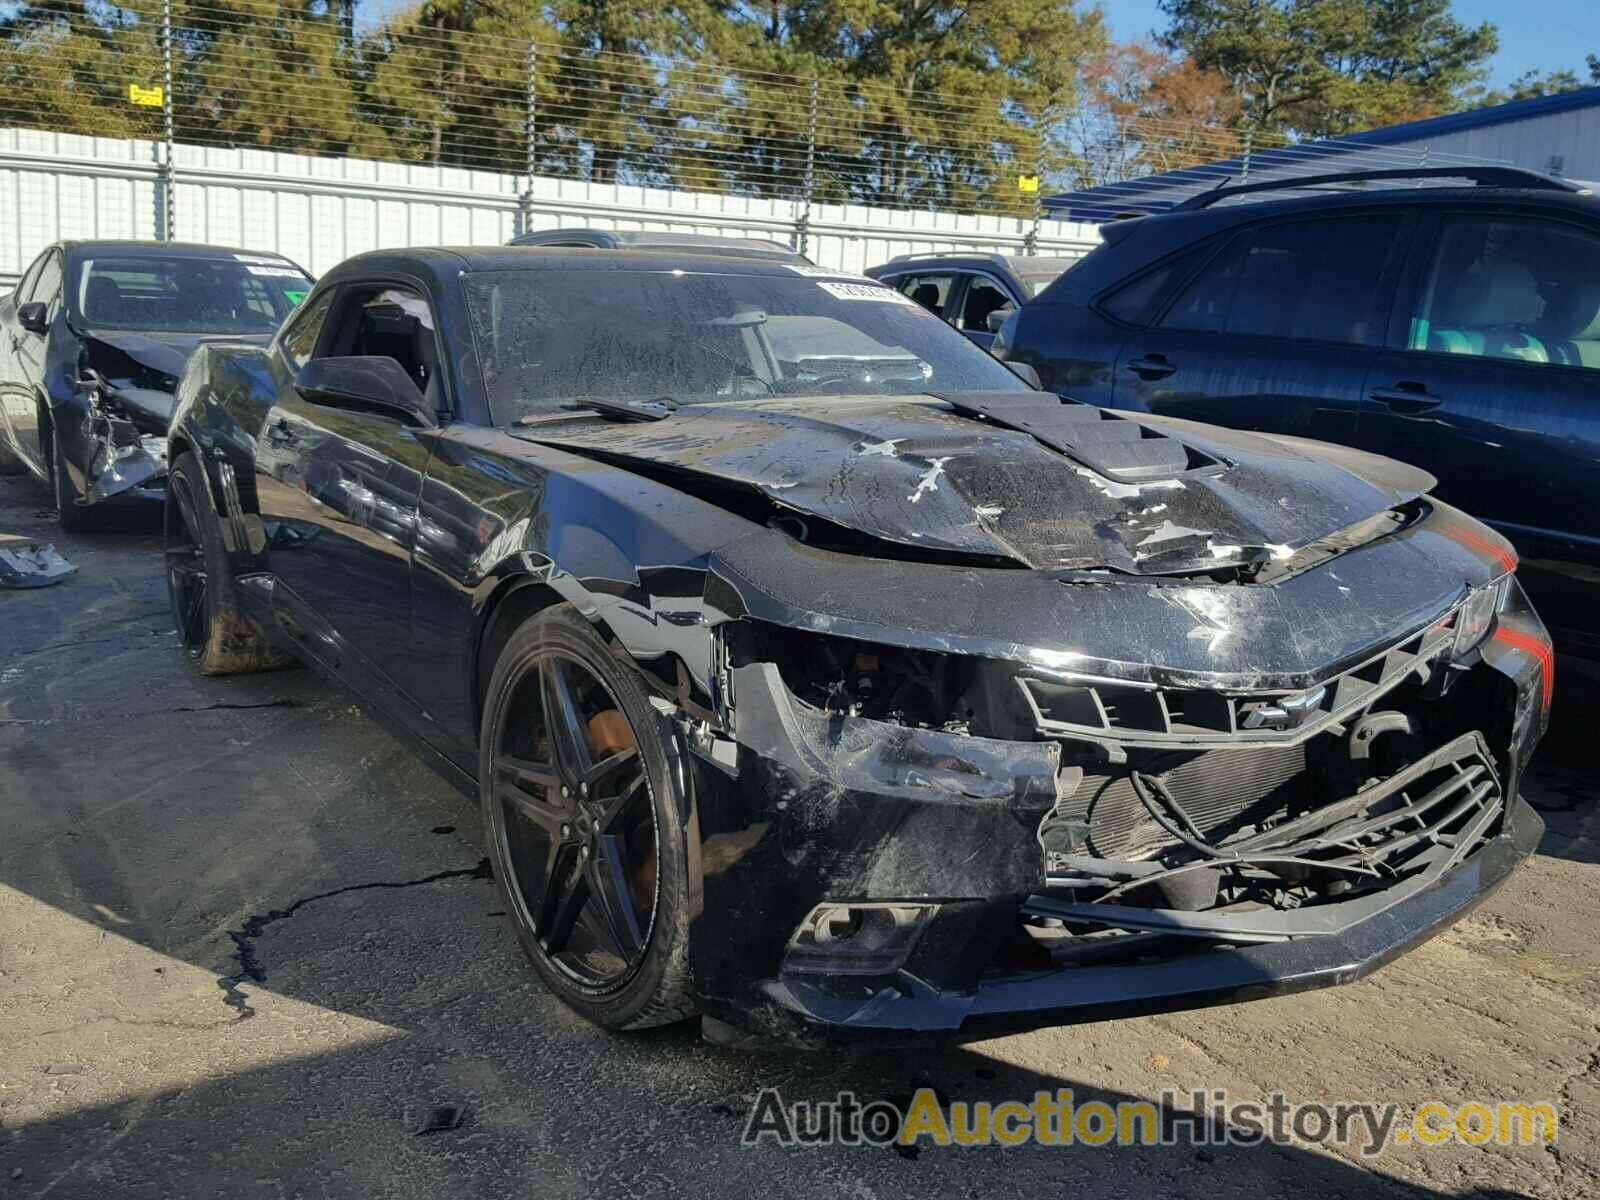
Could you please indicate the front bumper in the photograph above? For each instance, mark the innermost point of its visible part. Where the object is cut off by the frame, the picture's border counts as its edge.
(1216, 975)
(805, 810)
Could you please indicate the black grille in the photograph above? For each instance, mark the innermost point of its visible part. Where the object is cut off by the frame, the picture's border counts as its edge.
(1223, 791)
(1136, 714)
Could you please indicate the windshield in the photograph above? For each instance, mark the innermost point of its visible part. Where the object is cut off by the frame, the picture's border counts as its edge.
(552, 338)
(246, 293)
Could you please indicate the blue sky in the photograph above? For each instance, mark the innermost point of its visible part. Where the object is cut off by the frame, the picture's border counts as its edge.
(1542, 35)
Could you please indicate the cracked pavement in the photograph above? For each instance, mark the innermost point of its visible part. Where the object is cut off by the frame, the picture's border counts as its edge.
(169, 1031)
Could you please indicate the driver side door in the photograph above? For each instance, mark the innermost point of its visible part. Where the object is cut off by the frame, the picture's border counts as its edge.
(339, 488)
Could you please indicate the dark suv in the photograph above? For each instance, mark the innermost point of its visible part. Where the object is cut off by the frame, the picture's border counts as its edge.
(969, 290)
(1455, 328)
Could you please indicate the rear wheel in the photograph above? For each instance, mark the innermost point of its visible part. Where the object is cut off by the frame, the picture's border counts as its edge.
(205, 605)
(581, 818)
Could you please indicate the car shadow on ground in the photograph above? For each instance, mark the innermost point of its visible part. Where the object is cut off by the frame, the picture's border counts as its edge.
(347, 1124)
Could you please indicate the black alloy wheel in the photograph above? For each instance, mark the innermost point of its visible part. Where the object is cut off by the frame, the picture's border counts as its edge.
(187, 575)
(205, 603)
(586, 852)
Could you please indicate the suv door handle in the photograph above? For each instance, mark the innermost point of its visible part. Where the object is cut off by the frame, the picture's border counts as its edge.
(1152, 366)
(1407, 396)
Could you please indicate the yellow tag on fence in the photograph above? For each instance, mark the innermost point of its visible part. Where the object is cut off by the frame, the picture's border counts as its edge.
(1027, 183)
(146, 97)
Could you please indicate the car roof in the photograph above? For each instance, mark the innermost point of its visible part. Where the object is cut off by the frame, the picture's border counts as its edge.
(138, 249)
(1020, 264)
(667, 239)
(1252, 208)
(440, 263)
(1130, 245)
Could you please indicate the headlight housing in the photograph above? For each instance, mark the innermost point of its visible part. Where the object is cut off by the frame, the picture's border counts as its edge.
(1476, 617)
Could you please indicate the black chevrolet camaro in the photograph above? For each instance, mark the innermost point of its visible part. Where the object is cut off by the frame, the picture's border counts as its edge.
(818, 675)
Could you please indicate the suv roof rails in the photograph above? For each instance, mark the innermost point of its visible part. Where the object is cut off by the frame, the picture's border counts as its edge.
(1514, 177)
(991, 255)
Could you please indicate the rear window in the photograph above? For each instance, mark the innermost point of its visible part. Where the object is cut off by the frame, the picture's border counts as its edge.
(235, 294)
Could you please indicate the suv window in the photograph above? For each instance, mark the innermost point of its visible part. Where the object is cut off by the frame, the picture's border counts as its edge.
(1138, 301)
(983, 297)
(1514, 288)
(300, 339)
(930, 291)
(1305, 279)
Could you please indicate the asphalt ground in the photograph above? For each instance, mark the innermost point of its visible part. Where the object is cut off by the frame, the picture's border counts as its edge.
(248, 945)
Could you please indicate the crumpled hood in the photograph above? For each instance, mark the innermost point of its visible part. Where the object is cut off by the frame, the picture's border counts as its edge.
(167, 352)
(914, 472)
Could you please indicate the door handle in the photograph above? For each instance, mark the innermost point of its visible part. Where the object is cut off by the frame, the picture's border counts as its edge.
(280, 434)
(1152, 366)
(1407, 396)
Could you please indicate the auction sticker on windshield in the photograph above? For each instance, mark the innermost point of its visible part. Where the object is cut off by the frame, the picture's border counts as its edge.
(863, 291)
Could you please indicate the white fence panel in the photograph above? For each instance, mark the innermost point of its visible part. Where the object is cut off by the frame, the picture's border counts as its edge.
(319, 211)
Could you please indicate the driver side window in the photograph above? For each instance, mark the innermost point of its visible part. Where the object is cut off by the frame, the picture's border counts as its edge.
(1513, 288)
(390, 321)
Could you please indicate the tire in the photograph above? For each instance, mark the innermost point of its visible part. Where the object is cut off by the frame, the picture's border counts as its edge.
(72, 516)
(543, 821)
(205, 604)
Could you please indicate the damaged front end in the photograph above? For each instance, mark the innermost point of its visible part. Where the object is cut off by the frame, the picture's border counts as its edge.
(125, 432)
(968, 845)
(126, 385)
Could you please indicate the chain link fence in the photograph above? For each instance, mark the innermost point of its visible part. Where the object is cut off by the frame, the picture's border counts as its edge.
(190, 77)
(308, 80)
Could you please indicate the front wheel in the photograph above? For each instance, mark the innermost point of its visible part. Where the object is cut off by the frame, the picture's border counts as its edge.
(580, 813)
(72, 516)
(205, 605)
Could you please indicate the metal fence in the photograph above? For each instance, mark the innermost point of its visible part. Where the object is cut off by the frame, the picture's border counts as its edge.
(307, 79)
(289, 126)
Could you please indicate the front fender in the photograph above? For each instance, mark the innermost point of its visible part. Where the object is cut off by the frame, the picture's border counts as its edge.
(223, 398)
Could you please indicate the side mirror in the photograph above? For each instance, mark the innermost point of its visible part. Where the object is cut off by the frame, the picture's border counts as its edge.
(366, 383)
(998, 317)
(1026, 373)
(33, 316)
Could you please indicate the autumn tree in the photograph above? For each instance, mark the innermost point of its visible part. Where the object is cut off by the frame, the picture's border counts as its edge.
(1147, 110)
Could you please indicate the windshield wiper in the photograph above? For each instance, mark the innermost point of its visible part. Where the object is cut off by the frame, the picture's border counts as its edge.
(658, 409)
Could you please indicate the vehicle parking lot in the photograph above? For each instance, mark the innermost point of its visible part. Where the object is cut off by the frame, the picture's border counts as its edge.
(247, 944)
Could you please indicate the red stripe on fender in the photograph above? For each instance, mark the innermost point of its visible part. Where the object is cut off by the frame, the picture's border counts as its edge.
(1476, 541)
(1539, 648)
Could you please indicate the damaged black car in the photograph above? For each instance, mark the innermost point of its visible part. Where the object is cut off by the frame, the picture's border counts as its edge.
(92, 342)
(817, 675)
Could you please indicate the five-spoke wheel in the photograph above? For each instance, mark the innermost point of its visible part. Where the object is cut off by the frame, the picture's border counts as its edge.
(585, 848)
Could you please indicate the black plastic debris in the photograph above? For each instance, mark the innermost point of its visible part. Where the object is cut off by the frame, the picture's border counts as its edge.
(442, 1118)
(32, 566)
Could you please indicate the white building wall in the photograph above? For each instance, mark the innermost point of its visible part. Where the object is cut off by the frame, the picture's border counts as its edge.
(1572, 136)
(319, 211)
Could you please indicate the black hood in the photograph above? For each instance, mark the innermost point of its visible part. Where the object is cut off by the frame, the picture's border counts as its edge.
(167, 352)
(917, 472)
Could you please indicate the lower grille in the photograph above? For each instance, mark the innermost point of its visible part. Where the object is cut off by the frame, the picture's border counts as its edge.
(1222, 791)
